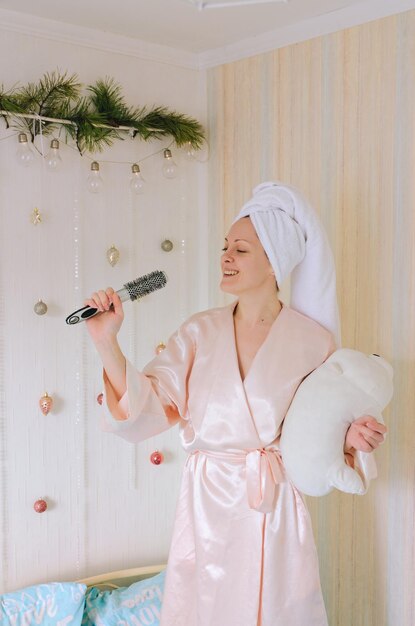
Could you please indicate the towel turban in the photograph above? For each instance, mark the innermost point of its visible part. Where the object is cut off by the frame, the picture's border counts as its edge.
(296, 243)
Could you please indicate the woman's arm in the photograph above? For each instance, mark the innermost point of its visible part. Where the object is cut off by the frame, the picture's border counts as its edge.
(114, 364)
(103, 330)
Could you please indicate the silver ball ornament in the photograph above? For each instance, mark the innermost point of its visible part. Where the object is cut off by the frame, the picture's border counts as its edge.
(113, 255)
(40, 308)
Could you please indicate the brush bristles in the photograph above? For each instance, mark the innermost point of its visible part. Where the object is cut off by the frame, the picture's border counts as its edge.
(146, 284)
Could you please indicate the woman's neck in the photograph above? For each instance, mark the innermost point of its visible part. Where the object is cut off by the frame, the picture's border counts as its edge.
(254, 312)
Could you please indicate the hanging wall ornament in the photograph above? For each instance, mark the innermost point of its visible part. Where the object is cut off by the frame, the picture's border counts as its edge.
(157, 458)
(40, 505)
(189, 151)
(35, 217)
(100, 398)
(160, 347)
(113, 255)
(40, 308)
(167, 245)
(46, 403)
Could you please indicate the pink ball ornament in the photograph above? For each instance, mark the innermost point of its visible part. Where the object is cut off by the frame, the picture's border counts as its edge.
(157, 458)
(46, 403)
(40, 506)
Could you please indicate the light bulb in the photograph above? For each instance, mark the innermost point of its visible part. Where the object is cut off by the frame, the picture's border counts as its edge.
(169, 168)
(137, 183)
(190, 152)
(53, 159)
(24, 154)
(95, 183)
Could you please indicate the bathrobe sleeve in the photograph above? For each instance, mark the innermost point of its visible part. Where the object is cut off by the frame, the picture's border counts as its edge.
(156, 398)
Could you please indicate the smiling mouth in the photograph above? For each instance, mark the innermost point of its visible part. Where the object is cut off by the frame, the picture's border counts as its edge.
(229, 273)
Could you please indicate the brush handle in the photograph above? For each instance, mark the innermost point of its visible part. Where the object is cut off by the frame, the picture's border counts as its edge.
(89, 311)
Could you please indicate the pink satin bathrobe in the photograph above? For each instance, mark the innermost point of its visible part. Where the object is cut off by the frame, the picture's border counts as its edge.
(242, 551)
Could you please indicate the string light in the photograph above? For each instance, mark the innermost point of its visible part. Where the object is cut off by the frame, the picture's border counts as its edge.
(169, 169)
(54, 159)
(137, 183)
(95, 183)
(190, 152)
(24, 154)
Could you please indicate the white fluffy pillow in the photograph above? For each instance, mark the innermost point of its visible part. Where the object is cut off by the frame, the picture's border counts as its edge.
(346, 386)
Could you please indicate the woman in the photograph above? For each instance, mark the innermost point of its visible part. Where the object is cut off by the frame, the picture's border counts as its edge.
(242, 552)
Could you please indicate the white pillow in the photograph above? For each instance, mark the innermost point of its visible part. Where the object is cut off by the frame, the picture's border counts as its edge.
(346, 386)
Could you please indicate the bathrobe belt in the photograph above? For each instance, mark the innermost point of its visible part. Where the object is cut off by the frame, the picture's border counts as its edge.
(264, 471)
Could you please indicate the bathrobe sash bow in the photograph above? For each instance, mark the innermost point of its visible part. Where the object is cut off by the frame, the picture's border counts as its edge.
(264, 471)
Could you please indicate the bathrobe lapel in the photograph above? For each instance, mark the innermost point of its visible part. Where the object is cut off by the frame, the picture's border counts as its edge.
(227, 387)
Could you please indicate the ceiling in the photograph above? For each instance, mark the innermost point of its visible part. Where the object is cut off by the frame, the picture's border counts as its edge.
(176, 23)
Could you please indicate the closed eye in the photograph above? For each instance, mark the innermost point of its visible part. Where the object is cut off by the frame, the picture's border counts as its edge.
(243, 251)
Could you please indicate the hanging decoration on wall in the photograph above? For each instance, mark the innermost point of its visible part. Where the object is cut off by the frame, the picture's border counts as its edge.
(160, 347)
(93, 118)
(157, 458)
(24, 154)
(40, 308)
(113, 255)
(46, 403)
(95, 183)
(35, 217)
(169, 168)
(137, 182)
(40, 505)
(167, 245)
(100, 398)
(53, 158)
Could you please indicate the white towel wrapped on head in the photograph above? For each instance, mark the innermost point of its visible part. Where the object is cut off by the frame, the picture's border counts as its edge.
(295, 242)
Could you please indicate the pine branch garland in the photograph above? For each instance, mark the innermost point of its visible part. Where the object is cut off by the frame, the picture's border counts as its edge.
(47, 99)
(94, 119)
(107, 99)
(8, 103)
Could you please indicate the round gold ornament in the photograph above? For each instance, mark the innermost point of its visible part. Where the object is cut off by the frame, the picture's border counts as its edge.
(113, 255)
(46, 403)
(167, 245)
(40, 308)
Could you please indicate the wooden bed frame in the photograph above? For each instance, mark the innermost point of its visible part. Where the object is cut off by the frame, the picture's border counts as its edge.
(122, 578)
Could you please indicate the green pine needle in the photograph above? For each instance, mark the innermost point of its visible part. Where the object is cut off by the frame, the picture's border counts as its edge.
(58, 96)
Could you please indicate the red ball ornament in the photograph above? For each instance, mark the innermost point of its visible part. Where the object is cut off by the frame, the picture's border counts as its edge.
(157, 458)
(100, 398)
(40, 506)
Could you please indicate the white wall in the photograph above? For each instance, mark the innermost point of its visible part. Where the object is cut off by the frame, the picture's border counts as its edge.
(109, 506)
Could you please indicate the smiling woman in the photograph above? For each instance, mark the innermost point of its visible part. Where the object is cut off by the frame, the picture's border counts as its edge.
(245, 265)
(227, 377)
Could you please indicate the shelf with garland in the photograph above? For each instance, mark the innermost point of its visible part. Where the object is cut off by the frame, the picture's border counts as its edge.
(92, 118)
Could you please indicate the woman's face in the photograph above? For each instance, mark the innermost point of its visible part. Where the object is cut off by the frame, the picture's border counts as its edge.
(244, 264)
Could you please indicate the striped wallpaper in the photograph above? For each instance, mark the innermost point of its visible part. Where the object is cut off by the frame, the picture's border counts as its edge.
(335, 116)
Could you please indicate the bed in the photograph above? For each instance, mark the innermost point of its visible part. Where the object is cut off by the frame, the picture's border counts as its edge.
(122, 578)
(130, 597)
